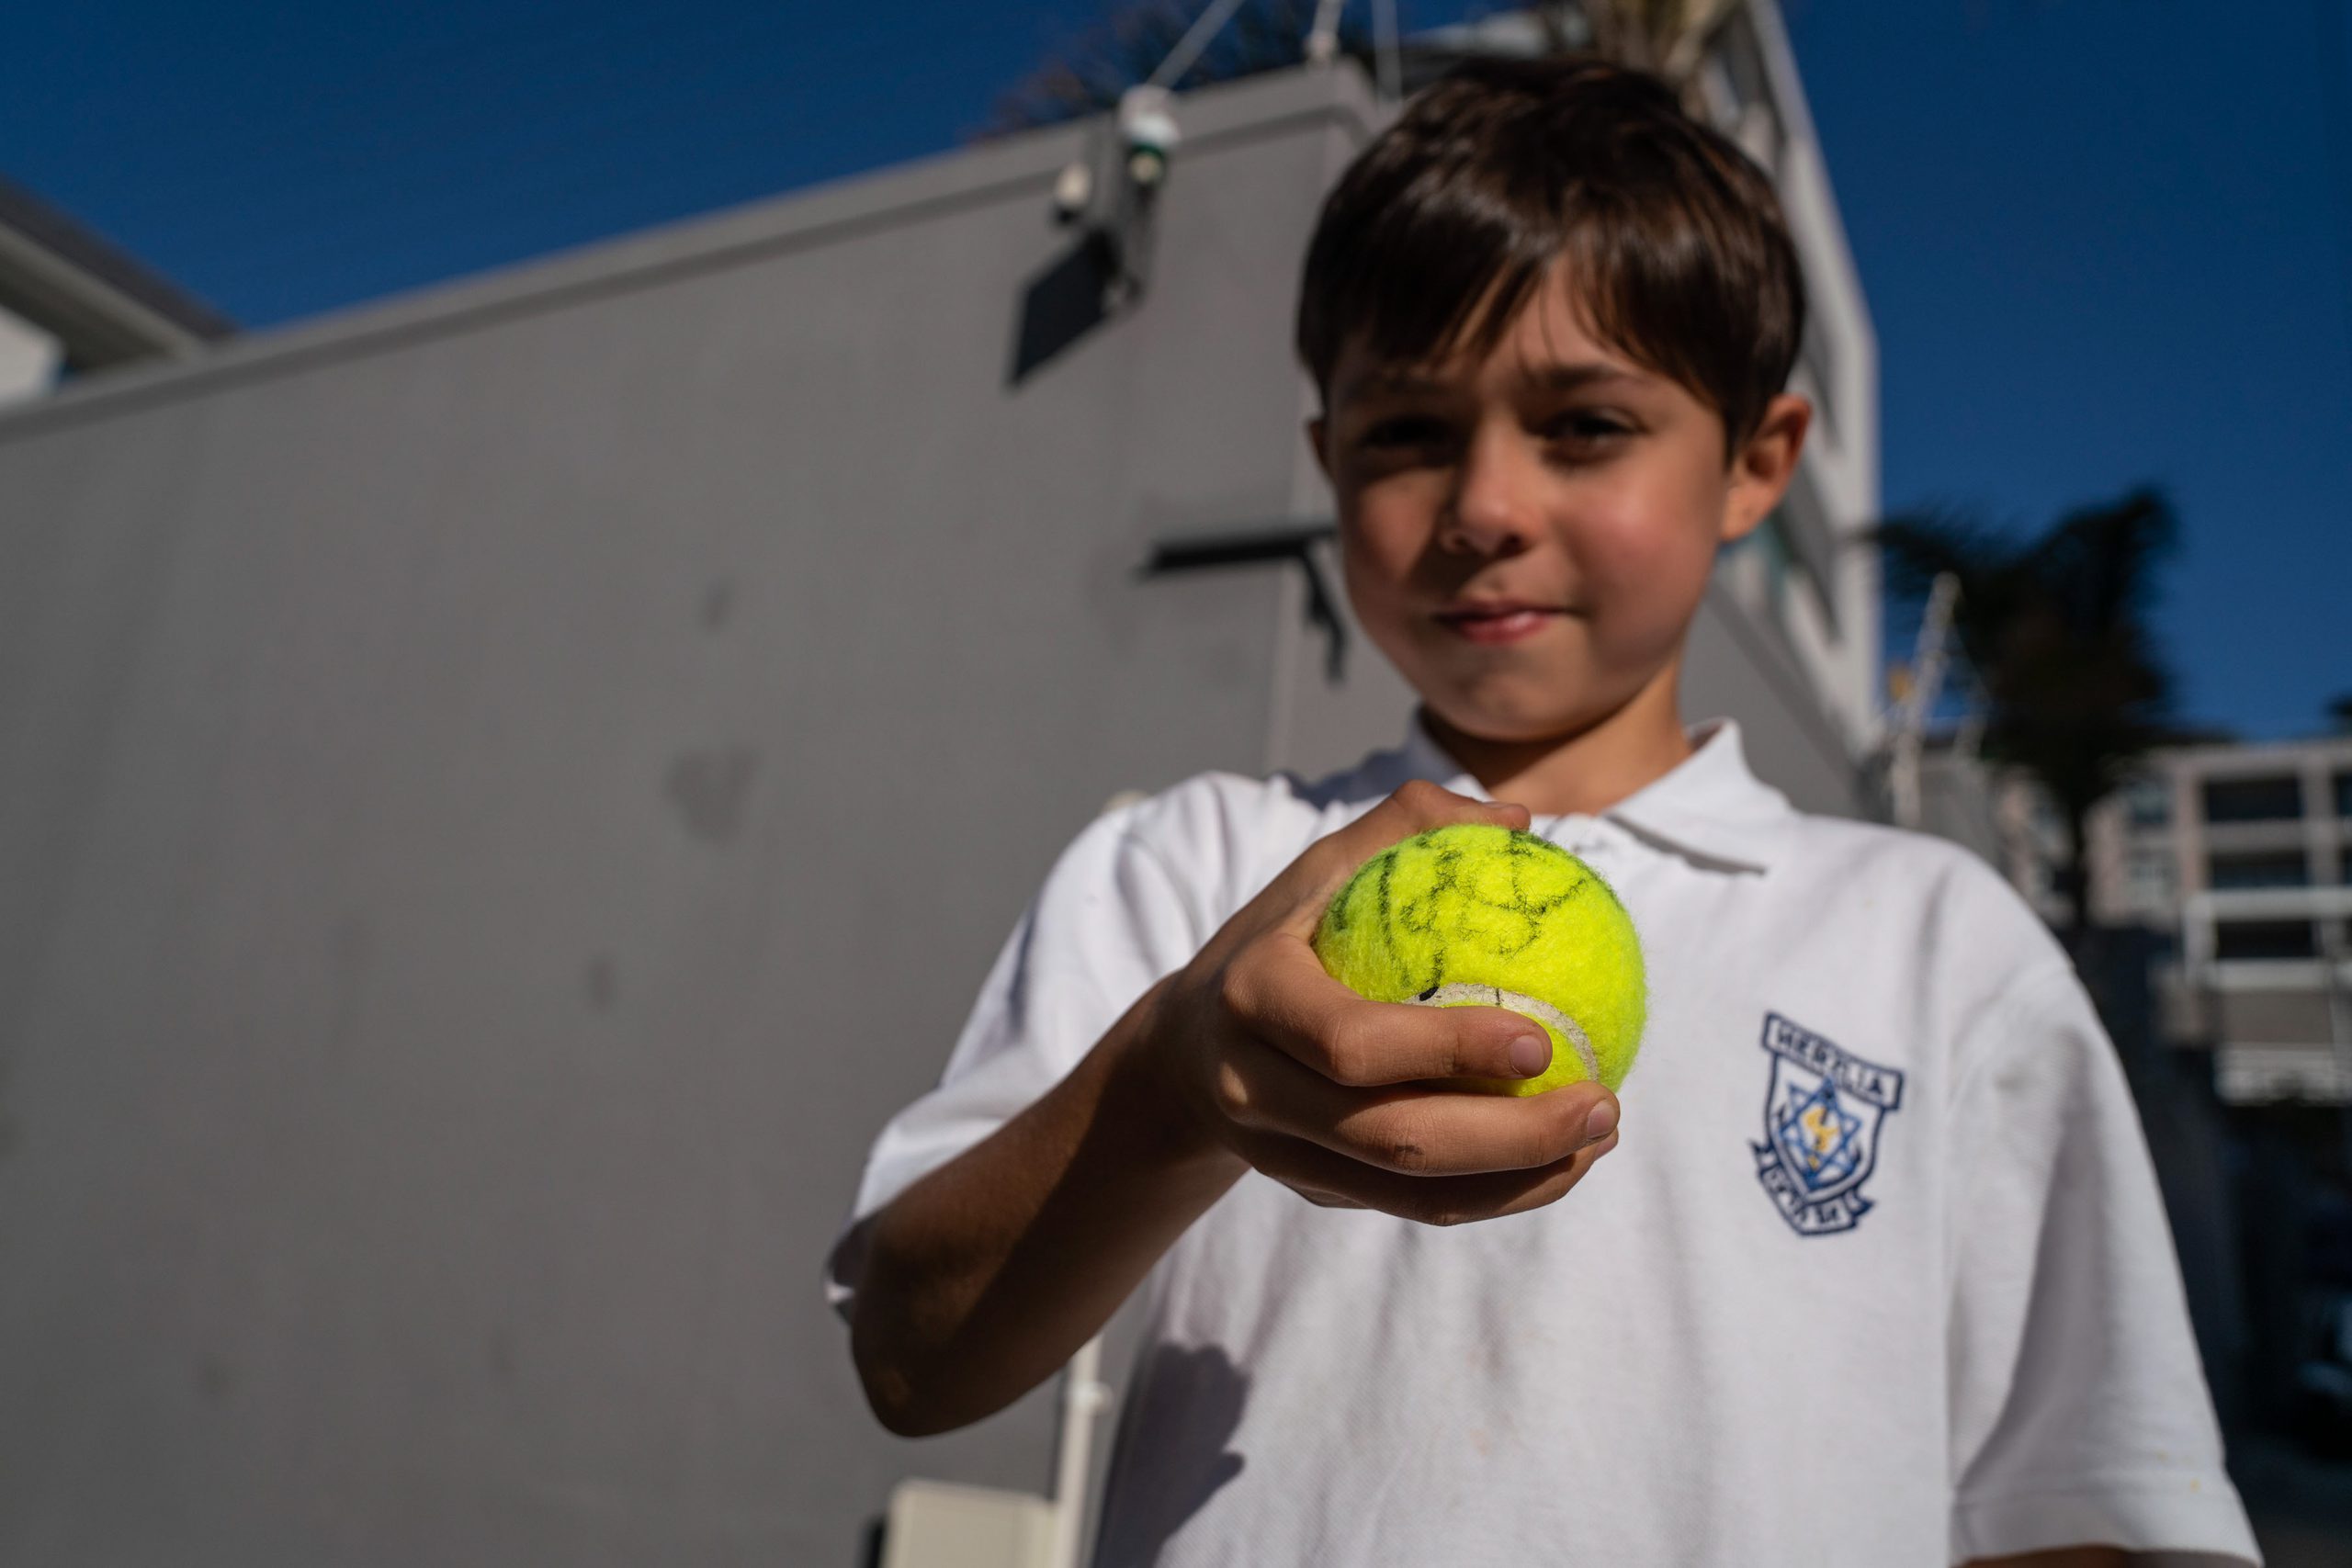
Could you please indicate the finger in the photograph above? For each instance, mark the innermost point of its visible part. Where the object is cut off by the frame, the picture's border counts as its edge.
(1418, 805)
(1415, 808)
(1276, 990)
(1420, 1132)
(1335, 1180)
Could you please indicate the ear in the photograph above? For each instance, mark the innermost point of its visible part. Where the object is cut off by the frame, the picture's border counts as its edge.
(1315, 429)
(1762, 469)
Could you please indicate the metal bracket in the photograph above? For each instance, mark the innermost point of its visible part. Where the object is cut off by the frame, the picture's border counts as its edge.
(1257, 547)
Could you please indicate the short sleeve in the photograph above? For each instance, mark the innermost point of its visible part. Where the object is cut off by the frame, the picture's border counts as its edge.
(2078, 1407)
(1109, 922)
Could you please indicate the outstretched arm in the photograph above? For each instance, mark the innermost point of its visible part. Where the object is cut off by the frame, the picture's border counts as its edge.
(989, 1272)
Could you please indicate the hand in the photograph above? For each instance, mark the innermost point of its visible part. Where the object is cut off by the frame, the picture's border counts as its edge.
(1272, 1060)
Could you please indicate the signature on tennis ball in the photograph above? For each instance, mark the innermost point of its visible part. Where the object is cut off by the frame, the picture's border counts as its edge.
(1478, 915)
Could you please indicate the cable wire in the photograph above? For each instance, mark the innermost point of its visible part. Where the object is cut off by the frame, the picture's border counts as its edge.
(1196, 38)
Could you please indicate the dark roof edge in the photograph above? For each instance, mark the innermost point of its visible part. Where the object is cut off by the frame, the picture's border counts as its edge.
(66, 279)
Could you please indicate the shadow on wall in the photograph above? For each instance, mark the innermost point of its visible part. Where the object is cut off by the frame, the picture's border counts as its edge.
(1063, 303)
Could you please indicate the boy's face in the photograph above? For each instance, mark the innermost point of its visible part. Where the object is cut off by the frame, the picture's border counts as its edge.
(1527, 539)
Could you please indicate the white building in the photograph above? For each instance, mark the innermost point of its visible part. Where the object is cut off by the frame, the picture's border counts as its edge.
(2239, 856)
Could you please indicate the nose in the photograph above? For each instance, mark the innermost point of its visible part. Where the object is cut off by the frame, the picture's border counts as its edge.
(1492, 510)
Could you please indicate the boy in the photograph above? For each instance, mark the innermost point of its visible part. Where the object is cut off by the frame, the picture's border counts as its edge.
(1880, 1275)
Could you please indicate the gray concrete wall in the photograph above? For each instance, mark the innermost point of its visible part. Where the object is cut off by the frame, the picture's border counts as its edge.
(501, 795)
(1734, 665)
(504, 792)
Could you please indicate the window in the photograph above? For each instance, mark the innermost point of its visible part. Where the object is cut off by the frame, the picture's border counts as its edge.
(1812, 352)
(2149, 875)
(2253, 800)
(2147, 803)
(2280, 868)
(1741, 57)
(1743, 62)
(2042, 818)
(2344, 795)
(2266, 939)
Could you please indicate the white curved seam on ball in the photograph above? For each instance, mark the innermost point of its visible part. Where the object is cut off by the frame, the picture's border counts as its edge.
(1533, 1006)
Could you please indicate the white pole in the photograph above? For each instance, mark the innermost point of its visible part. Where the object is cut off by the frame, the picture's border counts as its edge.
(1083, 1396)
(1323, 38)
(1384, 46)
(1927, 665)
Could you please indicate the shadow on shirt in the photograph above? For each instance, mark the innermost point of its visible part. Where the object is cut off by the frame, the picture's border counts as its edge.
(1182, 1407)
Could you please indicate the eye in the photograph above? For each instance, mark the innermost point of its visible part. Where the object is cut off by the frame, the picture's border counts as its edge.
(1587, 428)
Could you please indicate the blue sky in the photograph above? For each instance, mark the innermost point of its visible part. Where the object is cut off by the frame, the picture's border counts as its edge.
(2105, 242)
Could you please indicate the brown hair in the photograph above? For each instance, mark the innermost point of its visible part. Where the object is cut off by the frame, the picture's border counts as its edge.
(1673, 237)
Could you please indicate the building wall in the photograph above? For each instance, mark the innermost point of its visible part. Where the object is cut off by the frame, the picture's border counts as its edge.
(1835, 634)
(2253, 910)
(502, 792)
(1959, 800)
(508, 790)
(2265, 973)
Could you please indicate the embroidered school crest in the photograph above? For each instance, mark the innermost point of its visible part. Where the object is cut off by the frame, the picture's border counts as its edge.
(1823, 1110)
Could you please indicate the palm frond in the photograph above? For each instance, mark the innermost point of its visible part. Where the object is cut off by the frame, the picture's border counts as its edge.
(2106, 559)
(2059, 631)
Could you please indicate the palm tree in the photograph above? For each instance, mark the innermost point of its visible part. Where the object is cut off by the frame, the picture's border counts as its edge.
(2057, 628)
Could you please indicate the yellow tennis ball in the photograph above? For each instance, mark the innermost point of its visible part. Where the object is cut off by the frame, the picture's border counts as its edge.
(1475, 915)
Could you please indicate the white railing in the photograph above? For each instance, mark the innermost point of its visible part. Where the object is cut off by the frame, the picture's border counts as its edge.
(2262, 1070)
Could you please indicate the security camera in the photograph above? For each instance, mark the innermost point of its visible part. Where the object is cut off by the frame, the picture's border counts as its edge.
(1147, 129)
(1073, 189)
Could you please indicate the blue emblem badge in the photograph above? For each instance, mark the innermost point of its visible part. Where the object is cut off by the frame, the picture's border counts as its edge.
(1822, 1114)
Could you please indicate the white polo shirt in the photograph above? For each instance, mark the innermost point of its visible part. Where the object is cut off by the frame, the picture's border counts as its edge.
(1877, 1275)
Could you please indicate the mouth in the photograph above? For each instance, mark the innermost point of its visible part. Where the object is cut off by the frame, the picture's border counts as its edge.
(1496, 620)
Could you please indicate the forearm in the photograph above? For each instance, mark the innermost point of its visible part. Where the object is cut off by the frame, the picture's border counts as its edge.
(989, 1273)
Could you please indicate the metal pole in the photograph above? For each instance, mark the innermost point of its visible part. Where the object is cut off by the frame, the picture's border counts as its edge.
(2333, 957)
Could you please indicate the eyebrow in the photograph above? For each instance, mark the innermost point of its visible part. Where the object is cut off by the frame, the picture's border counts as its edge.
(1557, 378)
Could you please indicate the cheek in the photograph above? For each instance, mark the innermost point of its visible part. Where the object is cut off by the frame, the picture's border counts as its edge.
(1385, 537)
(1650, 557)
(1373, 579)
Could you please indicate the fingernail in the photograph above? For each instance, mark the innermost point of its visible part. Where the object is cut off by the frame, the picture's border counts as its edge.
(1602, 1122)
(1530, 1053)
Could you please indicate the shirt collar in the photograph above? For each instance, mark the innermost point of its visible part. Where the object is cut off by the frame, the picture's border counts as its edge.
(1708, 807)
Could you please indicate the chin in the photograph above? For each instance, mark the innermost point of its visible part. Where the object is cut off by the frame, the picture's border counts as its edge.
(1524, 713)
(1515, 724)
